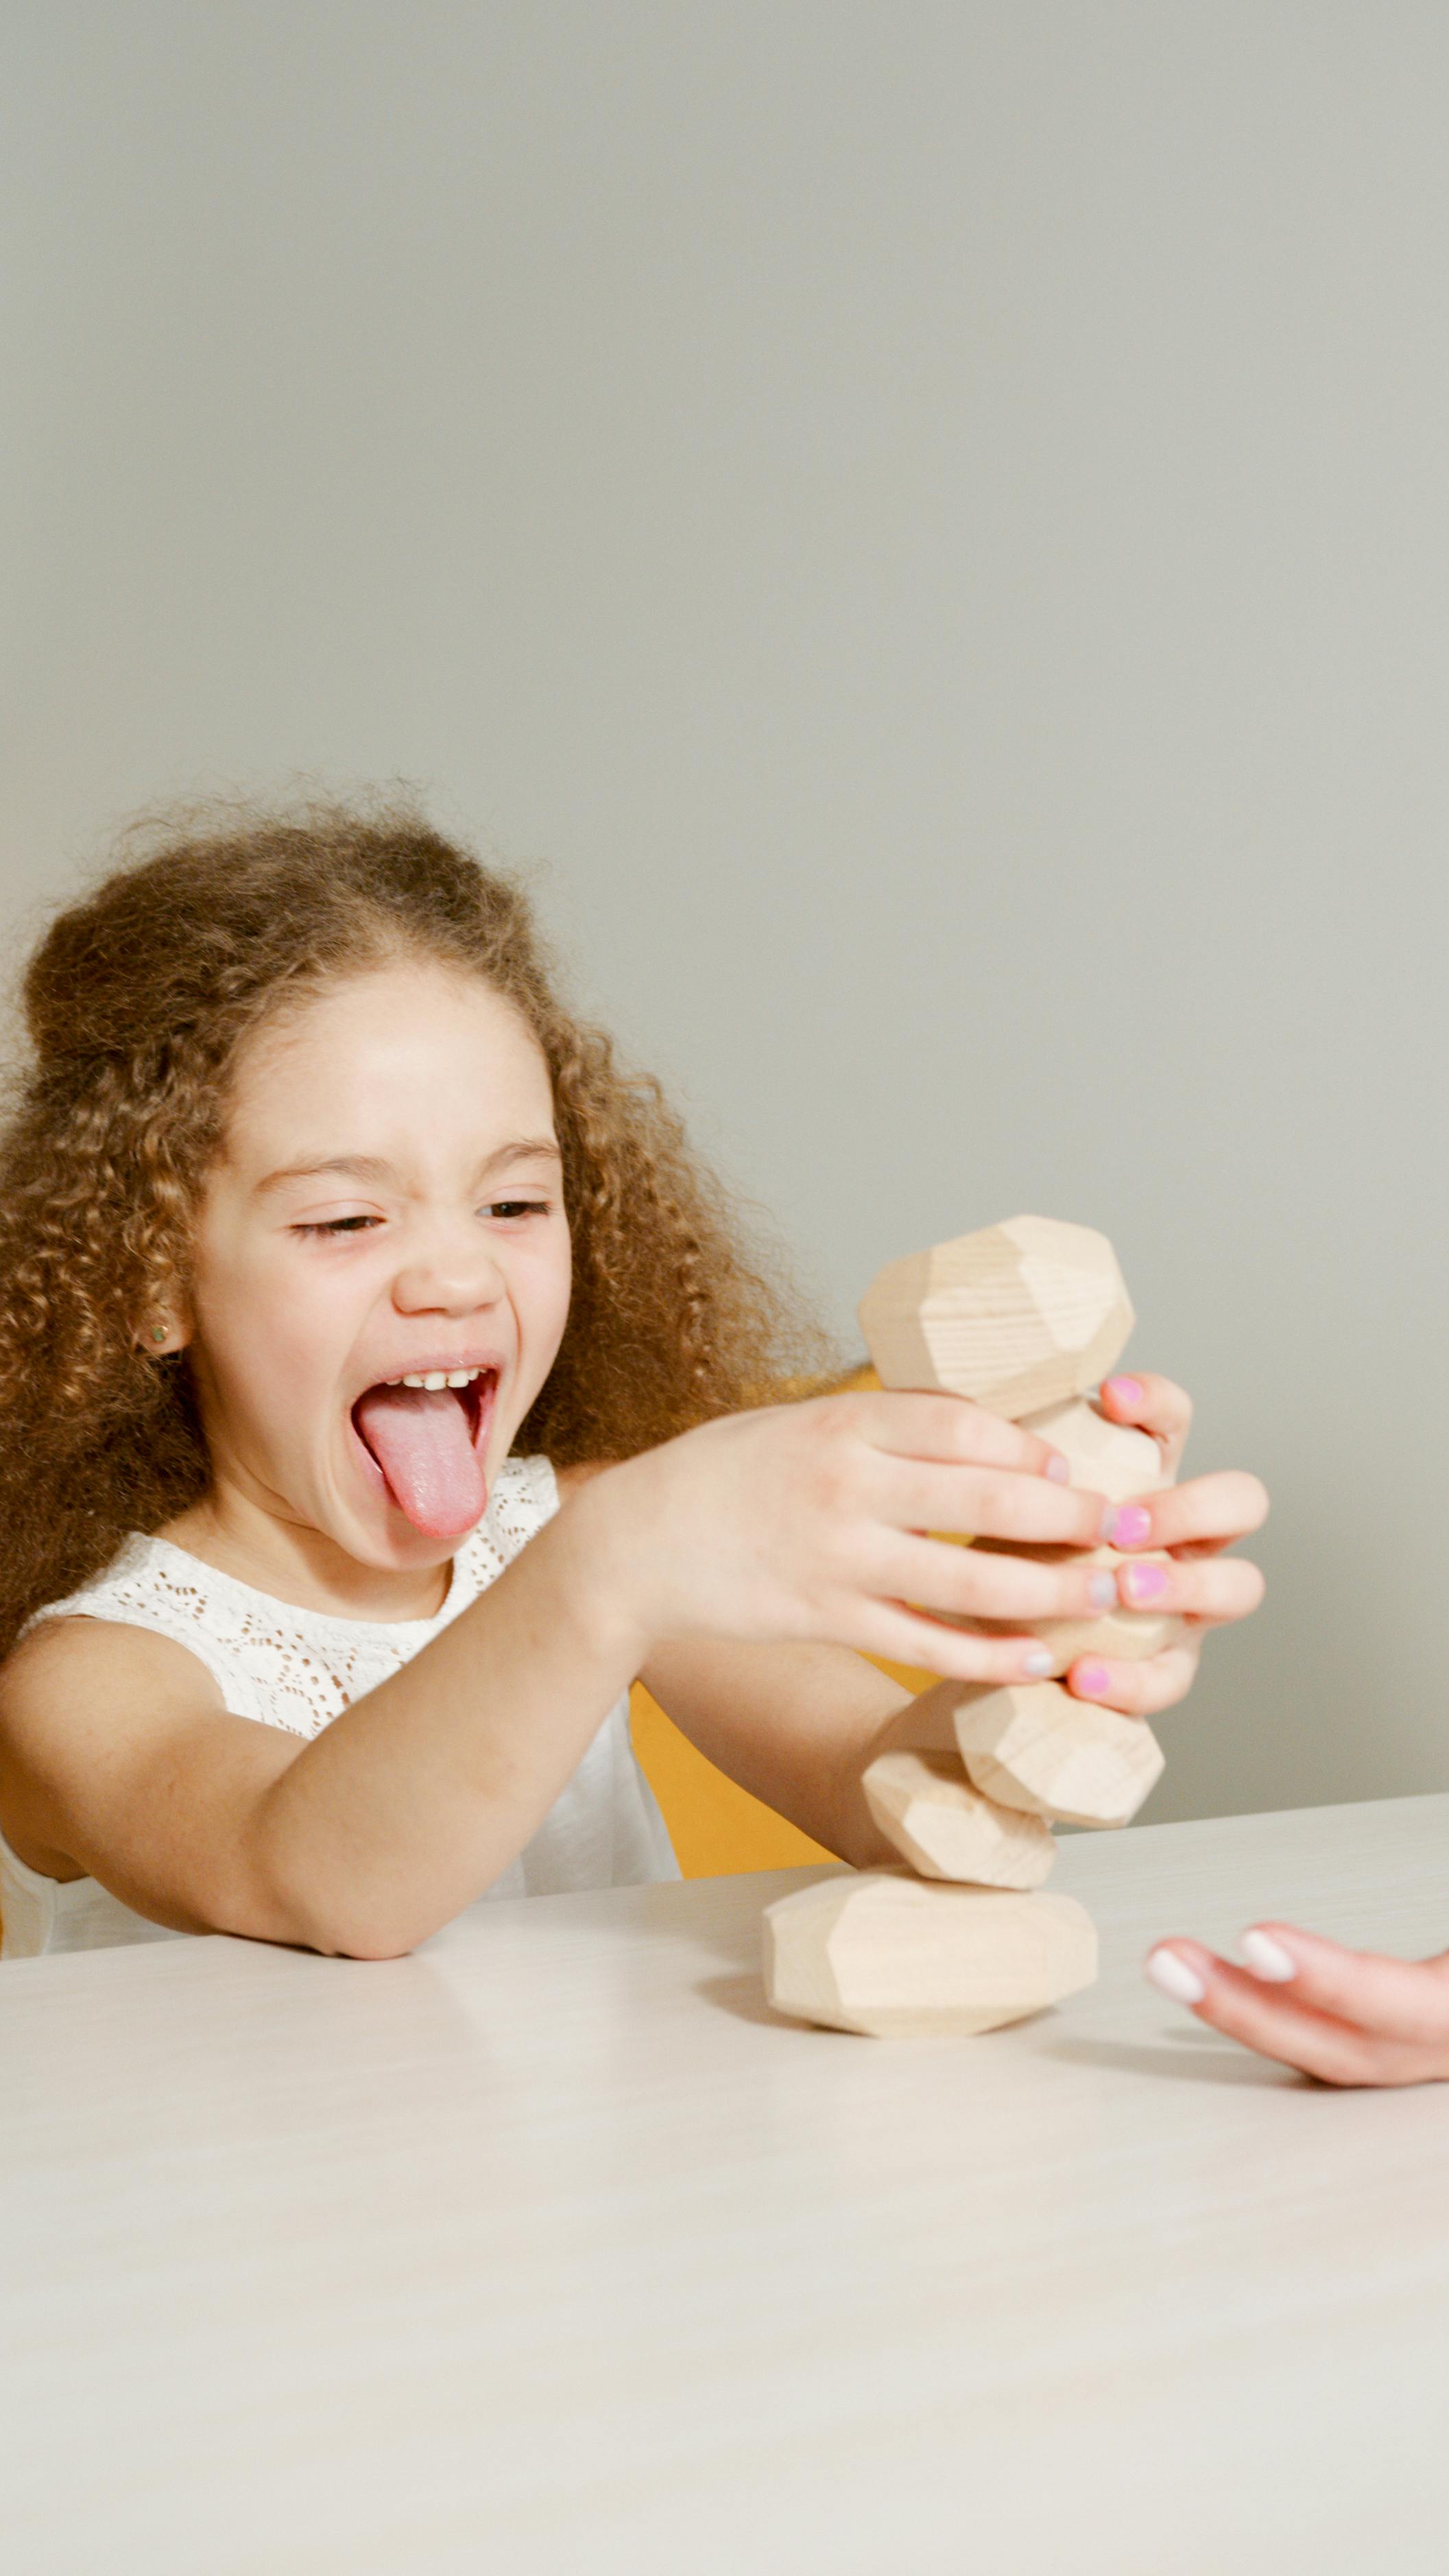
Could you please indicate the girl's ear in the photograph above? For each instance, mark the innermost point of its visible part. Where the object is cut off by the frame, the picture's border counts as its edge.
(163, 1333)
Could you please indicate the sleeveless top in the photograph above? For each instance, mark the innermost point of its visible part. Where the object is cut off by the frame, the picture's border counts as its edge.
(298, 1669)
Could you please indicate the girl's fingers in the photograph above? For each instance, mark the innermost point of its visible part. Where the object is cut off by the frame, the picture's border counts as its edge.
(1393, 2028)
(900, 1634)
(1137, 1690)
(1151, 1404)
(989, 1502)
(947, 1428)
(977, 1583)
(1213, 1589)
(1210, 1511)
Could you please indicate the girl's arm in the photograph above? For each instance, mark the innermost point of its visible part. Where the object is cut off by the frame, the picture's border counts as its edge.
(798, 1725)
(797, 1524)
(800, 1525)
(118, 1760)
(795, 1725)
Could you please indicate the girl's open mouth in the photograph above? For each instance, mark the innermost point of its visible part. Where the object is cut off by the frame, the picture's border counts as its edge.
(426, 1441)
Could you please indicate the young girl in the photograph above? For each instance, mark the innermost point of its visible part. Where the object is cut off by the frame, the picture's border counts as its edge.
(334, 1256)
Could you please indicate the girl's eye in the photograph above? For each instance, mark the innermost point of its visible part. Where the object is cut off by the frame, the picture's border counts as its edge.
(504, 1210)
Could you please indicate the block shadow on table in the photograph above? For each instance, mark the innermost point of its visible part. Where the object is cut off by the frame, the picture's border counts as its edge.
(1196, 2058)
(743, 1997)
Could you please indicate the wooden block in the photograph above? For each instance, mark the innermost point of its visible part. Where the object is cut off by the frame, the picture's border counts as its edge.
(1127, 1634)
(898, 1957)
(1112, 1459)
(1103, 1457)
(1035, 1747)
(1018, 1316)
(945, 1828)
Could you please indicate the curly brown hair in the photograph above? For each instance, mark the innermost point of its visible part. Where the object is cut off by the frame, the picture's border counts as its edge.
(136, 1003)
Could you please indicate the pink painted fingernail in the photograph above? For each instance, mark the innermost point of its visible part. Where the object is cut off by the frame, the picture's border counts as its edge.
(1174, 1977)
(1144, 1582)
(1127, 1525)
(1267, 1958)
(1125, 1390)
(1090, 1679)
(1056, 1467)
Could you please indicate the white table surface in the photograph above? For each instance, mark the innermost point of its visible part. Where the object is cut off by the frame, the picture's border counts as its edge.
(550, 2249)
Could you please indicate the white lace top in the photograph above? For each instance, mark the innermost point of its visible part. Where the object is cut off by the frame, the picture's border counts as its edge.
(298, 1669)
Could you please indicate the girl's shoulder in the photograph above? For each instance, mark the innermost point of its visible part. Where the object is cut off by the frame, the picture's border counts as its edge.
(75, 1649)
(72, 1690)
(142, 1567)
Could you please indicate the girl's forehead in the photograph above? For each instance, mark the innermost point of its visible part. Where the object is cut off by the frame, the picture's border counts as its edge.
(397, 1044)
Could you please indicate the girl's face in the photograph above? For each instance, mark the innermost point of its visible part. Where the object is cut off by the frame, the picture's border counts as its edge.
(387, 1206)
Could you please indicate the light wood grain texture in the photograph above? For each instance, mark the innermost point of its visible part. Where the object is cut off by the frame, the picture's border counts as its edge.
(1036, 1747)
(1024, 1317)
(1018, 1316)
(946, 1828)
(891, 1956)
(552, 2248)
(1102, 1457)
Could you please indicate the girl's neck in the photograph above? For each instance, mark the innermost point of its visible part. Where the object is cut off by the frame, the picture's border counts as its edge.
(301, 1565)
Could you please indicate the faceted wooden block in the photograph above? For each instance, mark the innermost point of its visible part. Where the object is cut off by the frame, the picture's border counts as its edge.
(1017, 1316)
(1127, 1634)
(902, 1957)
(946, 1829)
(1035, 1747)
(1102, 1457)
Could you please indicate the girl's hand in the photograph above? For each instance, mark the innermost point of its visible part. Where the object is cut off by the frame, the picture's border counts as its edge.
(1346, 2016)
(1193, 1524)
(809, 1521)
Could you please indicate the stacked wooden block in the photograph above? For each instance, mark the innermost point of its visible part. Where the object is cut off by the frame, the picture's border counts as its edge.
(1024, 1318)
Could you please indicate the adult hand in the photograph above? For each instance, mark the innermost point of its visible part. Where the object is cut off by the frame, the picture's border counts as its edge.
(1346, 2016)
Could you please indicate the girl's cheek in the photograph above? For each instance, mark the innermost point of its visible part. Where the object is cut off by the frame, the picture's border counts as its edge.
(541, 1303)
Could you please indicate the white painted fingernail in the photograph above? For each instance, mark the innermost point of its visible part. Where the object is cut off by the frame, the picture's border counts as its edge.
(1267, 1958)
(1175, 1977)
(1057, 1468)
(1038, 1663)
(1102, 1590)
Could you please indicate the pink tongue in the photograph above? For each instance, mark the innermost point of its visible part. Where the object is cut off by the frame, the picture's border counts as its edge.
(422, 1443)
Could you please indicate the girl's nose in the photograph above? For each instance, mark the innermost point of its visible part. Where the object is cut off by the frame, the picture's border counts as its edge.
(448, 1279)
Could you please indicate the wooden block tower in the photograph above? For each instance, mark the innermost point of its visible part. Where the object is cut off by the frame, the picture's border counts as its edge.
(1024, 1318)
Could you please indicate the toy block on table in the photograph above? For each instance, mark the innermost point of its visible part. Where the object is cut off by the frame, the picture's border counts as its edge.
(1023, 1318)
(925, 1804)
(1035, 1747)
(894, 1956)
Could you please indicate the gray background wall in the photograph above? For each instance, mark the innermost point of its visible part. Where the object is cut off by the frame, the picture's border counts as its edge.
(931, 523)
